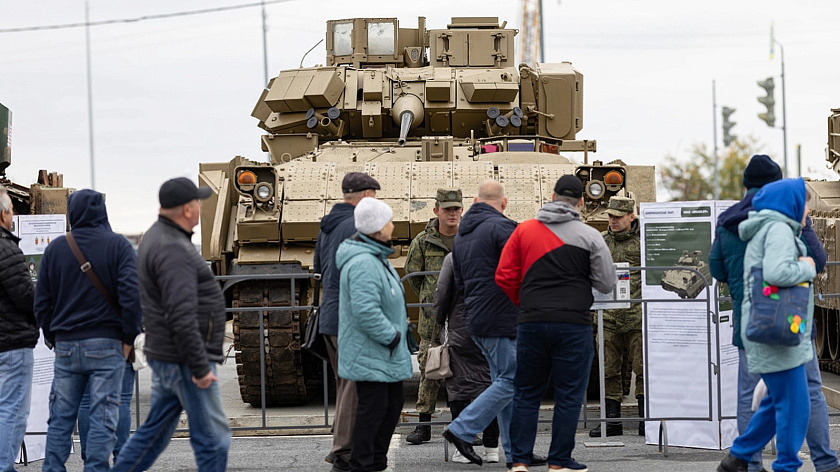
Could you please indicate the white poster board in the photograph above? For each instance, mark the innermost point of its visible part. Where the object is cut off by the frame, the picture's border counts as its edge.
(620, 292)
(680, 344)
(35, 233)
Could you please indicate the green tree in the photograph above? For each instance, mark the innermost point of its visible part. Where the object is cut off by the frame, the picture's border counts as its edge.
(693, 178)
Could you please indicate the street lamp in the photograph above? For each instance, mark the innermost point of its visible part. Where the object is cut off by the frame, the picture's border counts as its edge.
(773, 42)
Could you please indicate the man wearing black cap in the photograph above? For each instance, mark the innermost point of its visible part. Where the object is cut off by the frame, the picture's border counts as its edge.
(337, 226)
(726, 262)
(548, 267)
(184, 315)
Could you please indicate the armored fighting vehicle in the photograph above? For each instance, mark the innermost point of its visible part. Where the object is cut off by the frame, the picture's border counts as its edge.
(417, 109)
(687, 283)
(825, 218)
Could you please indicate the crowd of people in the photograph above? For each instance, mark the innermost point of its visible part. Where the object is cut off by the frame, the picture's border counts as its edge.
(512, 302)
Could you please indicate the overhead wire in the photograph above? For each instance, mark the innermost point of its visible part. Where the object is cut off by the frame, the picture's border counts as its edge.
(140, 18)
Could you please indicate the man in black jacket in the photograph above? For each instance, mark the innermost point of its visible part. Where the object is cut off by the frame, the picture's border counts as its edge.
(337, 226)
(18, 336)
(491, 317)
(184, 315)
(91, 338)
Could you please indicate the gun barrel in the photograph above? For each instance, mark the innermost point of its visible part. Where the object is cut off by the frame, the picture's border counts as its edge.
(406, 118)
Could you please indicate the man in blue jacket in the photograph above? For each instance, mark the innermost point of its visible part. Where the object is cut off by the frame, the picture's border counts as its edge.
(337, 226)
(491, 317)
(91, 338)
(726, 262)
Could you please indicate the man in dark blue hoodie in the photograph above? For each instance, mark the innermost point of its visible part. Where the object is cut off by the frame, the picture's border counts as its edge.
(337, 226)
(91, 338)
(726, 261)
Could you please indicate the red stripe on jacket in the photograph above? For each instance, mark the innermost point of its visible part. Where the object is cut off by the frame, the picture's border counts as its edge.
(529, 242)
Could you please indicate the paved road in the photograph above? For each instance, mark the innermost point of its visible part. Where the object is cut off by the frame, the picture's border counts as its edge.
(306, 453)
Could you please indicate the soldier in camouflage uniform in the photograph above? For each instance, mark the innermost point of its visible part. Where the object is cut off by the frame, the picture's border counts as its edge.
(623, 327)
(426, 253)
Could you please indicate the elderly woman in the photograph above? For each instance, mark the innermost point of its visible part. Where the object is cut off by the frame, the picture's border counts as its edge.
(771, 232)
(371, 331)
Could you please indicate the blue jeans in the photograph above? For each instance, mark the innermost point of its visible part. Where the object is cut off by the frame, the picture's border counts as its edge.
(124, 424)
(495, 401)
(542, 349)
(173, 391)
(96, 364)
(782, 413)
(823, 457)
(15, 389)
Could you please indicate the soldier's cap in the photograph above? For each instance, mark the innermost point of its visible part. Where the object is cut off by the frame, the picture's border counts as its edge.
(620, 206)
(568, 186)
(358, 181)
(449, 198)
(181, 190)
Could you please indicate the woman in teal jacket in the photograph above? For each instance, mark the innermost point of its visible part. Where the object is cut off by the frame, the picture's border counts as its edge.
(771, 232)
(372, 322)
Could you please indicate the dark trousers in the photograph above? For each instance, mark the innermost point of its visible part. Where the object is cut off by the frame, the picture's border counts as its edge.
(377, 415)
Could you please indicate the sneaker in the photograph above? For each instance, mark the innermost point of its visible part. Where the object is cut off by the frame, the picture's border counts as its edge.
(330, 458)
(573, 466)
(491, 455)
(731, 463)
(459, 458)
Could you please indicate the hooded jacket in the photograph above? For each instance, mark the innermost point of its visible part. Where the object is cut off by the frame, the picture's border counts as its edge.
(67, 304)
(18, 328)
(470, 370)
(183, 305)
(772, 244)
(337, 226)
(478, 245)
(371, 313)
(726, 258)
(550, 265)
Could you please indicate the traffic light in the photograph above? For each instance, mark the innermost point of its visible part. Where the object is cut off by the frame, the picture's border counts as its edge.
(768, 101)
(727, 125)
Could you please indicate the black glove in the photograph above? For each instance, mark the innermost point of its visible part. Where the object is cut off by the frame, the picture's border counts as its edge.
(395, 343)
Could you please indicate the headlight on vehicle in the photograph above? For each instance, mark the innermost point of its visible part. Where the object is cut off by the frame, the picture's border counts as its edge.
(263, 192)
(595, 189)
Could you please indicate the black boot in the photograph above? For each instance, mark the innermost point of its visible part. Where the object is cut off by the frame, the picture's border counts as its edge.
(422, 433)
(641, 401)
(613, 408)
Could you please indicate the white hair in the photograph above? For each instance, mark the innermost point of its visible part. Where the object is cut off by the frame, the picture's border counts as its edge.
(5, 200)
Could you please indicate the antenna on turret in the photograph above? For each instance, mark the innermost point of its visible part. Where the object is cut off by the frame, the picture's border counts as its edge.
(307, 52)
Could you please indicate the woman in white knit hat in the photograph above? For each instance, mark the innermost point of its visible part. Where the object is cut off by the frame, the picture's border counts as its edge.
(371, 332)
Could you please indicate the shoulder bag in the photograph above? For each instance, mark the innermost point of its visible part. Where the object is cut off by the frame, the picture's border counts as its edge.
(437, 359)
(777, 314)
(313, 342)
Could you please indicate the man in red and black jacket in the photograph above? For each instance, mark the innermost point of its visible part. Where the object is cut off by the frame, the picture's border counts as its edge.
(548, 267)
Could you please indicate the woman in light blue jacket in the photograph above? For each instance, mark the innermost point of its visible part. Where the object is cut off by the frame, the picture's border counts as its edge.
(372, 325)
(771, 232)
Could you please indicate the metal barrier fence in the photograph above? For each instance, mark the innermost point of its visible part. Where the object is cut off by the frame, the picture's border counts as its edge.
(712, 317)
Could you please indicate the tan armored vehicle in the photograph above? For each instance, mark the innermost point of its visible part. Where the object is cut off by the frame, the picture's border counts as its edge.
(417, 109)
(825, 217)
(687, 283)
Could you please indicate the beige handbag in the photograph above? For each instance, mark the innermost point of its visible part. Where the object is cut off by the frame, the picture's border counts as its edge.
(437, 360)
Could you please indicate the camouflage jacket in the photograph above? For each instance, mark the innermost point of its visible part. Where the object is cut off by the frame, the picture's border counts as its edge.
(626, 247)
(426, 252)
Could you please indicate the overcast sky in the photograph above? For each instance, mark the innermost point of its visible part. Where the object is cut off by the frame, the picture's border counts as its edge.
(170, 93)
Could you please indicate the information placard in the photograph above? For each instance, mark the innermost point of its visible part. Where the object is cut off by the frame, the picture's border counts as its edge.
(683, 333)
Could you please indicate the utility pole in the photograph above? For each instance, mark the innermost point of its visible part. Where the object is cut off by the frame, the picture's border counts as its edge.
(265, 58)
(714, 139)
(784, 105)
(89, 96)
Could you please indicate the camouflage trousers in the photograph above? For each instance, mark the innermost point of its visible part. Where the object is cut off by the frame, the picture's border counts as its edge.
(614, 345)
(427, 392)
